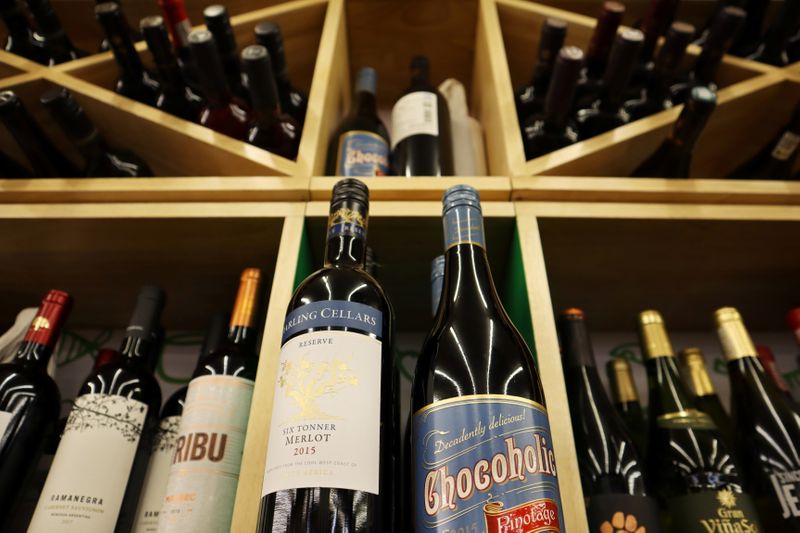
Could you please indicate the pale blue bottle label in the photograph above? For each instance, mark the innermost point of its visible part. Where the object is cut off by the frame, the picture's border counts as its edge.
(334, 313)
(362, 153)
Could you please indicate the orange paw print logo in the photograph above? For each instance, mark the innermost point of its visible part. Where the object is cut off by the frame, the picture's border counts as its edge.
(621, 523)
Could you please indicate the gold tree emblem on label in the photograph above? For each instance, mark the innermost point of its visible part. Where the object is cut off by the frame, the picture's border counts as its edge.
(306, 381)
(726, 498)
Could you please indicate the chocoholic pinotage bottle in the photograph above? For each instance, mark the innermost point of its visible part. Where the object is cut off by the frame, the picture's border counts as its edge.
(97, 472)
(331, 464)
(29, 400)
(482, 451)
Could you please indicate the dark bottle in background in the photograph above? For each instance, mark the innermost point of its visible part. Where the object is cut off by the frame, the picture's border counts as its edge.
(134, 81)
(690, 467)
(354, 490)
(692, 367)
(176, 98)
(793, 321)
(772, 49)
(776, 160)
(553, 129)
(57, 44)
(101, 160)
(529, 99)
(605, 32)
(767, 428)
(423, 145)
(45, 159)
(606, 112)
(219, 24)
(213, 426)
(673, 158)
(20, 39)
(767, 359)
(29, 401)
(272, 129)
(719, 5)
(654, 24)
(612, 471)
(626, 401)
(293, 101)
(178, 25)
(222, 112)
(752, 28)
(105, 446)
(475, 368)
(135, 36)
(360, 145)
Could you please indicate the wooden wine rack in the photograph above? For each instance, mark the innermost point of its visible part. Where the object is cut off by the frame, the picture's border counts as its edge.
(576, 233)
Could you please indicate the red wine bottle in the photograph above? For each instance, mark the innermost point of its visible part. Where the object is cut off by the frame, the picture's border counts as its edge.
(776, 160)
(222, 112)
(57, 43)
(605, 31)
(178, 25)
(767, 428)
(20, 39)
(612, 471)
(626, 401)
(553, 129)
(529, 99)
(293, 101)
(360, 145)
(767, 358)
(478, 401)
(271, 129)
(423, 145)
(101, 460)
(29, 401)
(101, 159)
(692, 367)
(208, 452)
(219, 24)
(177, 97)
(673, 158)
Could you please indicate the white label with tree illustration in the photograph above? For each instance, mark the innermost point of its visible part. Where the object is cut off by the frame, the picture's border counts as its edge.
(325, 429)
(90, 470)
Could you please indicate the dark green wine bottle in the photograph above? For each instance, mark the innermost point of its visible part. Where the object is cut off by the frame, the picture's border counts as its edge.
(626, 401)
(695, 375)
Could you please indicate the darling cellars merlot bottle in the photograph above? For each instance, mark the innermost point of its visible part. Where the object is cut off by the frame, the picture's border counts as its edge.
(333, 444)
(98, 469)
(482, 452)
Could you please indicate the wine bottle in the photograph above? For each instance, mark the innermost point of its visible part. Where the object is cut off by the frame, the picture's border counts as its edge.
(177, 97)
(166, 439)
(178, 25)
(476, 381)
(293, 101)
(772, 49)
(605, 31)
(208, 454)
(20, 39)
(222, 112)
(101, 461)
(717, 8)
(704, 71)
(423, 145)
(673, 158)
(689, 465)
(626, 401)
(655, 96)
(750, 35)
(437, 282)
(57, 44)
(553, 129)
(529, 99)
(793, 321)
(340, 327)
(692, 367)
(271, 129)
(219, 24)
(607, 112)
(29, 401)
(767, 359)
(10, 168)
(101, 160)
(42, 155)
(135, 36)
(776, 160)
(360, 145)
(612, 471)
(134, 81)
(768, 428)
(654, 24)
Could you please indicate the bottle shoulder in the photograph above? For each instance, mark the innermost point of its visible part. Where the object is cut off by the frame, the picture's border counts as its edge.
(341, 283)
(26, 379)
(127, 379)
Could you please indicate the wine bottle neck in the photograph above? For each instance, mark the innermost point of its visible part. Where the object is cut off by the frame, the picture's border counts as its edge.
(736, 342)
(42, 334)
(364, 104)
(782, 29)
(347, 235)
(15, 22)
(122, 46)
(575, 343)
(136, 348)
(623, 388)
(697, 374)
(667, 392)
(687, 130)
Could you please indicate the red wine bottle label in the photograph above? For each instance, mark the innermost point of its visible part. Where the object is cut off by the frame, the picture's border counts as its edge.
(208, 456)
(786, 146)
(155, 480)
(623, 512)
(722, 510)
(787, 490)
(485, 463)
(415, 114)
(89, 474)
(362, 153)
(325, 428)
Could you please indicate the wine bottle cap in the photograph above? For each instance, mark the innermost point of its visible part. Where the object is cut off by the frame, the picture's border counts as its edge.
(461, 195)
(624, 55)
(551, 40)
(367, 80)
(693, 366)
(52, 314)
(350, 189)
(573, 312)
(147, 313)
(733, 336)
(269, 34)
(244, 308)
(678, 37)
(653, 335)
(219, 24)
(152, 23)
(606, 29)
(420, 68)
(107, 10)
(573, 334)
(437, 267)
(258, 67)
(620, 374)
(210, 71)
(155, 33)
(69, 114)
(560, 93)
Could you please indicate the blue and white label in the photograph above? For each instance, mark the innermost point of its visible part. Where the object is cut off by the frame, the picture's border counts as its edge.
(334, 313)
(463, 225)
(362, 153)
(485, 464)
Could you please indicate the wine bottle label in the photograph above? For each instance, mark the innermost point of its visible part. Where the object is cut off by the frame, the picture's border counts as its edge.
(208, 456)
(723, 510)
(485, 464)
(325, 429)
(416, 113)
(5, 421)
(362, 153)
(688, 419)
(333, 314)
(90, 471)
(463, 225)
(786, 146)
(155, 481)
(346, 221)
(623, 512)
(787, 489)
